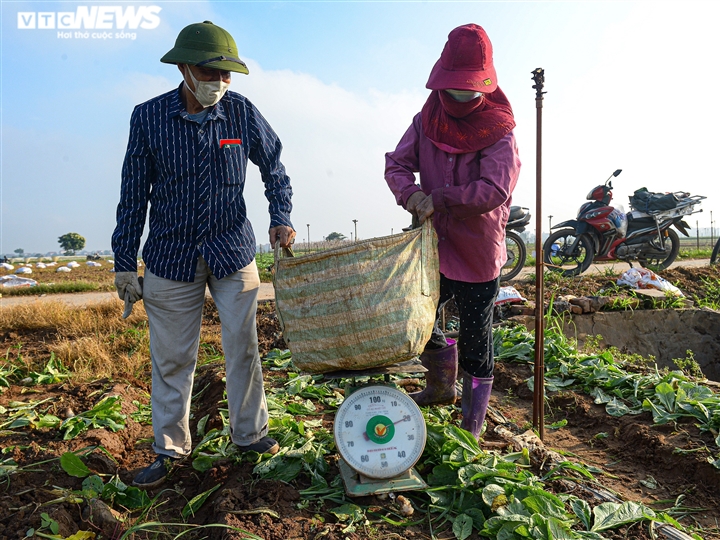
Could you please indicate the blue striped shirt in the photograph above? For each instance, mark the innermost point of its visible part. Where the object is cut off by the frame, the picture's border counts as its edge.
(195, 187)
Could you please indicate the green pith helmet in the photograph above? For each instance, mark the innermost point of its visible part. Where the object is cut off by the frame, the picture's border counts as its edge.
(207, 45)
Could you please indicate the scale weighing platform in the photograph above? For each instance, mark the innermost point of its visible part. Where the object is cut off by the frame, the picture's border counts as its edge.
(379, 433)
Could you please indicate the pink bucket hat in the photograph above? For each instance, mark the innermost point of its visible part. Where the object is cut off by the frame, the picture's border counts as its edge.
(465, 63)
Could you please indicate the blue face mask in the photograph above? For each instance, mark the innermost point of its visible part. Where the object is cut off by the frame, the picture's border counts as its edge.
(463, 96)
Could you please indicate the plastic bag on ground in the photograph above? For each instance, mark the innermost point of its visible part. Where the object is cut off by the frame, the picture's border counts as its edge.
(508, 295)
(642, 278)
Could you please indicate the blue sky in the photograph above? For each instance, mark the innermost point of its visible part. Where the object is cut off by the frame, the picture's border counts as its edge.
(630, 85)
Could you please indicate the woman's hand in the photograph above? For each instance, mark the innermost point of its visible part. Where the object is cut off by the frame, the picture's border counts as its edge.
(420, 205)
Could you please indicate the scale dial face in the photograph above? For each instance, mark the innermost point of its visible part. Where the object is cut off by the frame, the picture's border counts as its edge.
(380, 431)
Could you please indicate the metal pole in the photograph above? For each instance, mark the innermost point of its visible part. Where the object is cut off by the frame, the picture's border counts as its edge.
(308, 226)
(355, 222)
(539, 371)
(697, 234)
(550, 223)
(712, 230)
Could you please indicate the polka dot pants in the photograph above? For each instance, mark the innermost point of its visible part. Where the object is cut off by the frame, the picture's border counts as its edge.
(475, 303)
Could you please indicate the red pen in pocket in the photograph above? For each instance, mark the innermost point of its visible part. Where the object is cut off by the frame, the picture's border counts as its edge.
(230, 142)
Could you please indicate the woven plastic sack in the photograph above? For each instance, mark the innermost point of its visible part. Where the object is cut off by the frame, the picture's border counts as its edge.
(365, 305)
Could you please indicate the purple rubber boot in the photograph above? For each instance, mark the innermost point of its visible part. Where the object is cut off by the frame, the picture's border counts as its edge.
(441, 365)
(475, 398)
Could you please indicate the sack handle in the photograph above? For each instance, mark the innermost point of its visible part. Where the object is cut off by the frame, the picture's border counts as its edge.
(426, 236)
(286, 252)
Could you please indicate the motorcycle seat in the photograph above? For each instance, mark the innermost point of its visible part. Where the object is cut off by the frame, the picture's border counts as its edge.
(517, 212)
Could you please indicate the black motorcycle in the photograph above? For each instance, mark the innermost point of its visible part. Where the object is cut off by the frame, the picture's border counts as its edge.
(514, 244)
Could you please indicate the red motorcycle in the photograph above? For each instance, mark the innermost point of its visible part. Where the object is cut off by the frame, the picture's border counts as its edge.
(605, 233)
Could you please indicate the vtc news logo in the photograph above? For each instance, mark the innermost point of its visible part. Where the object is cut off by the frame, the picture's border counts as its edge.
(92, 17)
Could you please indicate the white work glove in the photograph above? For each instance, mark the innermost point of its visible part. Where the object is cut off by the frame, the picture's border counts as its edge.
(129, 288)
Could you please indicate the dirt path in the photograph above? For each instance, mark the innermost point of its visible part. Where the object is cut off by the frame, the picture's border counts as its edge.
(619, 267)
(267, 292)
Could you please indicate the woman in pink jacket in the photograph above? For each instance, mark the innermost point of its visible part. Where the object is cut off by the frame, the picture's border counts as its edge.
(463, 146)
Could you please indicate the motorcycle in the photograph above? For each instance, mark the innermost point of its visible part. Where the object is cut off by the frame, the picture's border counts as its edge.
(606, 233)
(514, 244)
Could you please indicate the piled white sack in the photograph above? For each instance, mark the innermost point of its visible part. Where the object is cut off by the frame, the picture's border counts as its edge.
(16, 281)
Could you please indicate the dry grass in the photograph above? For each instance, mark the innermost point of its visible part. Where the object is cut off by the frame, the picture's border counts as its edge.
(91, 342)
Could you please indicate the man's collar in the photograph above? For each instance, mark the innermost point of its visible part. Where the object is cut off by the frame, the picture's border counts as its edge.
(177, 107)
(176, 104)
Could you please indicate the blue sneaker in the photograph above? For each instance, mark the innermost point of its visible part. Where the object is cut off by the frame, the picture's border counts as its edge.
(154, 474)
(266, 445)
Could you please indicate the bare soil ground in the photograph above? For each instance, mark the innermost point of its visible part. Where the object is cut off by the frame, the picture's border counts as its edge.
(634, 451)
(691, 280)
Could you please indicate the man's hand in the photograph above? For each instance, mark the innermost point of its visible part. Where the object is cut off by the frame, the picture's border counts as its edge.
(129, 288)
(285, 234)
(420, 205)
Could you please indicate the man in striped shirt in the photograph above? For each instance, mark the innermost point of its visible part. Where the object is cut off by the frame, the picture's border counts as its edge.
(187, 158)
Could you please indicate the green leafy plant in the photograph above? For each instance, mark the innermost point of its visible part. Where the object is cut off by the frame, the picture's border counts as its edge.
(106, 414)
(689, 365)
(712, 294)
(93, 486)
(46, 524)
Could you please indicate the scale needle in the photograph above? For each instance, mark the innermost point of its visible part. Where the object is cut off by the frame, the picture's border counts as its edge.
(403, 419)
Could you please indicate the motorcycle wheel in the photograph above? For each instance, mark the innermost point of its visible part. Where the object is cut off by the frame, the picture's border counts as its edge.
(715, 253)
(661, 262)
(516, 255)
(558, 258)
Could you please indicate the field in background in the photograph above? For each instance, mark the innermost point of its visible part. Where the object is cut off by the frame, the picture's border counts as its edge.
(86, 278)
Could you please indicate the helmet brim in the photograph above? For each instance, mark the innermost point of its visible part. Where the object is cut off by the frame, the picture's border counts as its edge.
(179, 55)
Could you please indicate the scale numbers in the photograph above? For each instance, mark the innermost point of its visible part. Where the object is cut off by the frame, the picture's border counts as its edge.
(380, 431)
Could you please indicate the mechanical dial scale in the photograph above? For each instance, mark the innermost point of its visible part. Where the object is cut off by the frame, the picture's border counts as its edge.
(380, 434)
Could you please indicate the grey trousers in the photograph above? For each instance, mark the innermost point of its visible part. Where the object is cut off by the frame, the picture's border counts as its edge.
(174, 310)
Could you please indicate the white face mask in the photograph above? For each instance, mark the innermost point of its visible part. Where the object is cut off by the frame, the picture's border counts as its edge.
(463, 96)
(208, 93)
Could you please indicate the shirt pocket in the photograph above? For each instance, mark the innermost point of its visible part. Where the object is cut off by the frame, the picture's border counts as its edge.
(234, 163)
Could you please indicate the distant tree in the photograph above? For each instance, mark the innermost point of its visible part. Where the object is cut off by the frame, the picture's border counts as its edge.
(20, 252)
(71, 242)
(335, 236)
